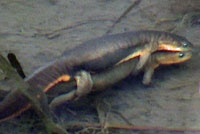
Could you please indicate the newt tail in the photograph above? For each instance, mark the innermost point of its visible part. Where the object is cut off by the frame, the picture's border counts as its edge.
(16, 103)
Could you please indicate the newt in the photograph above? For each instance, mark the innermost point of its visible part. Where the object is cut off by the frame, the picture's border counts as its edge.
(93, 57)
(113, 75)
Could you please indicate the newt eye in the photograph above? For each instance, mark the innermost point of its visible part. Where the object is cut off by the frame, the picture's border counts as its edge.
(181, 55)
(185, 44)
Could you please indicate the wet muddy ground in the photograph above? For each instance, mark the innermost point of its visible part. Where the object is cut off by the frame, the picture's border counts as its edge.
(39, 31)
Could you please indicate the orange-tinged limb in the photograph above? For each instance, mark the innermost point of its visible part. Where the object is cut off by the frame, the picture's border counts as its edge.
(63, 78)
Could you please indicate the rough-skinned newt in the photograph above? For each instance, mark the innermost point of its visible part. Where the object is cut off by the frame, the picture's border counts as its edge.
(96, 55)
(117, 73)
(105, 52)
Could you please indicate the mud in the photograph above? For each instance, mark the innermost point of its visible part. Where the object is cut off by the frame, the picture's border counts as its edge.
(39, 31)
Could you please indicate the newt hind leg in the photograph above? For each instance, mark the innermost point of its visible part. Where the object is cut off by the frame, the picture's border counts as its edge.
(84, 83)
(84, 86)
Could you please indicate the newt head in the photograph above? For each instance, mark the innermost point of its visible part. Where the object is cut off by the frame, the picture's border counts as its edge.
(175, 43)
(168, 58)
(163, 58)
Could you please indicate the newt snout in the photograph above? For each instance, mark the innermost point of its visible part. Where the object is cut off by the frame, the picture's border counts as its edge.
(179, 45)
(173, 57)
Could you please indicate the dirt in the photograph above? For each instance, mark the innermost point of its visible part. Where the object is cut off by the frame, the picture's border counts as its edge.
(39, 31)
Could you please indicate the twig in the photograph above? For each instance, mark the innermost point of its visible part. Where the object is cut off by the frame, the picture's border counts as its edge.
(182, 85)
(185, 21)
(23, 89)
(199, 87)
(166, 20)
(16, 64)
(122, 116)
(151, 128)
(137, 2)
(79, 125)
(56, 32)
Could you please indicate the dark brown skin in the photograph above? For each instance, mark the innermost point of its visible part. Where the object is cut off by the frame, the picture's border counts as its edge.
(112, 76)
(105, 52)
(97, 55)
(116, 74)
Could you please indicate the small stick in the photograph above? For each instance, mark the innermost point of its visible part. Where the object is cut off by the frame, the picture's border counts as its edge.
(150, 128)
(22, 88)
(182, 85)
(137, 2)
(56, 32)
(199, 87)
(16, 64)
(79, 125)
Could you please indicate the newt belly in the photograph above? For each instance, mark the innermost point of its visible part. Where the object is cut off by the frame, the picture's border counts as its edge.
(100, 55)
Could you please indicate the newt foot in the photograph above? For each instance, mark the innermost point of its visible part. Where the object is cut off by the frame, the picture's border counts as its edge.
(84, 86)
(84, 83)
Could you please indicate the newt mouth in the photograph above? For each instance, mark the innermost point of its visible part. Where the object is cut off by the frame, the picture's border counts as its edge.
(166, 47)
(168, 58)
